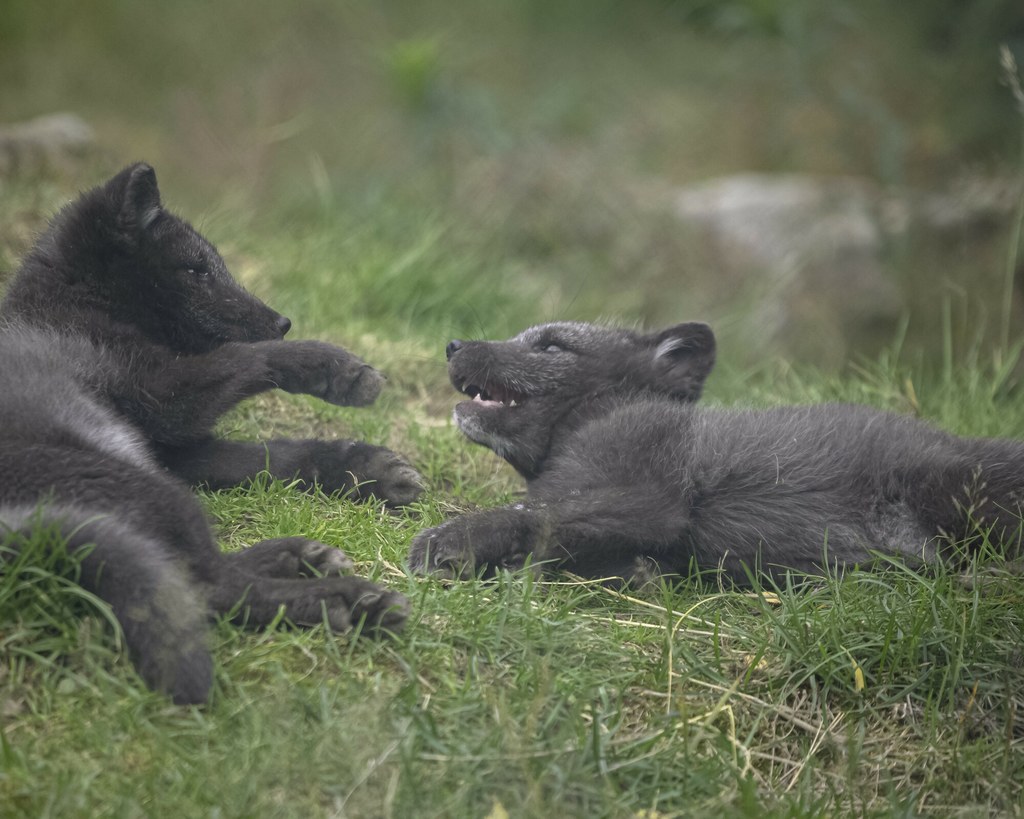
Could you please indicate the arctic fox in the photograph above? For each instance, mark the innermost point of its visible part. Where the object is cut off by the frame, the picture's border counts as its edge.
(123, 338)
(626, 476)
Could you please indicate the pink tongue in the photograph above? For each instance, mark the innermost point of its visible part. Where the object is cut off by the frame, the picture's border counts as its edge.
(478, 400)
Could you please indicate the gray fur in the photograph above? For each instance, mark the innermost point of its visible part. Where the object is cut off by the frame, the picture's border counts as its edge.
(123, 338)
(623, 470)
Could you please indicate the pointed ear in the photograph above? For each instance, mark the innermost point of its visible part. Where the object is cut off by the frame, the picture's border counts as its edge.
(683, 358)
(140, 203)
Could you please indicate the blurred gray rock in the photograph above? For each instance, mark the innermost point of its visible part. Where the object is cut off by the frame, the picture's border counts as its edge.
(805, 252)
(52, 142)
(971, 205)
(806, 257)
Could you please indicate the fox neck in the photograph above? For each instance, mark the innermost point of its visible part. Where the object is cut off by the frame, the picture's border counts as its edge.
(564, 418)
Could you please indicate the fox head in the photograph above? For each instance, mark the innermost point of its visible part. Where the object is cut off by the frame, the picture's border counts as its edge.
(117, 251)
(527, 391)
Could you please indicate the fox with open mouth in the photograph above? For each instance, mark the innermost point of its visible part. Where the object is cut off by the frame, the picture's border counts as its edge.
(627, 477)
(528, 391)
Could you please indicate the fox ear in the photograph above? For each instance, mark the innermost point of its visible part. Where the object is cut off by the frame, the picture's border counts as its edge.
(683, 358)
(140, 205)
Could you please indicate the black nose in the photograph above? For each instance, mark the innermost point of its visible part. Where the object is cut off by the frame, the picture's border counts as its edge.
(453, 347)
(284, 324)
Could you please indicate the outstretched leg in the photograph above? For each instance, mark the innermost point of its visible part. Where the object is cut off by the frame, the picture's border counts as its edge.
(593, 534)
(359, 469)
(178, 401)
(290, 557)
(340, 601)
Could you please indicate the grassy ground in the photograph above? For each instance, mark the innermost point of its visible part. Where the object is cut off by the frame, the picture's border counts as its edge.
(888, 693)
(392, 180)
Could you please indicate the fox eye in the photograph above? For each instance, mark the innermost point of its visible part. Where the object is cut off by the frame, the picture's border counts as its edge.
(554, 348)
(197, 270)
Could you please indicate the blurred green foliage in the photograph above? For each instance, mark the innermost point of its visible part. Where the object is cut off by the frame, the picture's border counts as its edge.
(414, 68)
(232, 70)
(534, 138)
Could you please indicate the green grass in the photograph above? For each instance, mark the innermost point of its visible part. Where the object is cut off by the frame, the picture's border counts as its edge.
(395, 175)
(879, 693)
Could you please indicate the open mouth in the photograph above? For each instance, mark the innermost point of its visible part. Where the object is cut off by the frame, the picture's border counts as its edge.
(493, 395)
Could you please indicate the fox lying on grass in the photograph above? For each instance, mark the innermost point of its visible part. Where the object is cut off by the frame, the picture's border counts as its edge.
(123, 338)
(626, 476)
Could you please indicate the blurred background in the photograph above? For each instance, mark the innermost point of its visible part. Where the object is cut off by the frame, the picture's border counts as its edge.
(820, 179)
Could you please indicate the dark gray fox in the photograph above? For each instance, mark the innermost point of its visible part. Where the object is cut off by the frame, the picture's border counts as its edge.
(123, 338)
(627, 477)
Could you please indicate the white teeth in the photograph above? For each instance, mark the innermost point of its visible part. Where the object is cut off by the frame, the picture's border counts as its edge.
(512, 403)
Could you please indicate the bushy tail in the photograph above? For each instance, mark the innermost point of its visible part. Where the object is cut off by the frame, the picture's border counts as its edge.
(162, 617)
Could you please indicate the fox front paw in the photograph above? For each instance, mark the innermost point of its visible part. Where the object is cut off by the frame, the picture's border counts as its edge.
(366, 471)
(292, 557)
(354, 600)
(459, 550)
(358, 390)
(386, 475)
(329, 373)
(441, 552)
